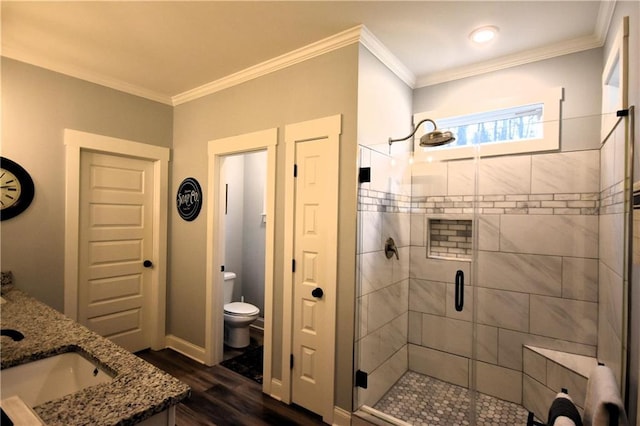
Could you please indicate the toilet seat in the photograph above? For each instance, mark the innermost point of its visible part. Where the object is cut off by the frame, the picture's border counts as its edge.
(240, 309)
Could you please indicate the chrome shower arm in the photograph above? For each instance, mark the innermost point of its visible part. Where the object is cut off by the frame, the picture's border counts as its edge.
(414, 131)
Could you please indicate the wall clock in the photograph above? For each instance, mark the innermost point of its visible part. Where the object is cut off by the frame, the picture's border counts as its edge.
(16, 189)
(189, 199)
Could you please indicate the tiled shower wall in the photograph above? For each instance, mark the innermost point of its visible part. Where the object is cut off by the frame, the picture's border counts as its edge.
(537, 275)
(611, 247)
(383, 292)
(537, 266)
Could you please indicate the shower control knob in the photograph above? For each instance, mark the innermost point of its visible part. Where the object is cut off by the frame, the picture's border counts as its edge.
(147, 264)
(317, 292)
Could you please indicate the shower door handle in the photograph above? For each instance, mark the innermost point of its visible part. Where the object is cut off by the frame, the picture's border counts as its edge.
(459, 295)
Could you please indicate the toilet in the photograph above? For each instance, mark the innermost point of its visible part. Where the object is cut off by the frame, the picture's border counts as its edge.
(238, 316)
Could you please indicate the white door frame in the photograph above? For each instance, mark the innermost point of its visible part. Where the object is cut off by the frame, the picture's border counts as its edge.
(75, 142)
(328, 128)
(214, 313)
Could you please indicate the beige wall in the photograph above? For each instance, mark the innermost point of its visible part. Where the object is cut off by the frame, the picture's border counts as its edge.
(384, 105)
(37, 105)
(573, 72)
(320, 87)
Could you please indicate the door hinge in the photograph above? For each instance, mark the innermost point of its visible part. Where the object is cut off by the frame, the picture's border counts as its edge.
(291, 361)
(295, 170)
(361, 379)
(293, 265)
(221, 268)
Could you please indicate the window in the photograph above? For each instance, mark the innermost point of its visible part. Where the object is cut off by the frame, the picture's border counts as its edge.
(503, 126)
(507, 125)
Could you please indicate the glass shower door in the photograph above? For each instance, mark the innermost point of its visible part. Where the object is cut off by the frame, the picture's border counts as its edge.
(414, 299)
(506, 280)
(549, 288)
(384, 226)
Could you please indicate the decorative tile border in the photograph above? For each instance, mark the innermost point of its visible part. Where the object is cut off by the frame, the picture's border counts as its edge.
(612, 199)
(377, 201)
(567, 203)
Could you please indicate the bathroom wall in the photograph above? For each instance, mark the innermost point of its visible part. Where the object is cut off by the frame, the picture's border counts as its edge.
(37, 105)
(578, 73)
(319, 87)
(538, 236)
(245, 175)
(525, 202)
(253, 238)
(233, 170)
(611, 264)
(536, 280)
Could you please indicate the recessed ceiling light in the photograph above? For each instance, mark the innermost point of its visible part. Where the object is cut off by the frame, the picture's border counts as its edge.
(484, 34)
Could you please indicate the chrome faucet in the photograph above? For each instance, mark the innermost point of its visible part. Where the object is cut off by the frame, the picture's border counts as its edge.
(14, 334)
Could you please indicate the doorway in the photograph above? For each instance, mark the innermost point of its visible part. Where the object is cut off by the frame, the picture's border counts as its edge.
(156, 160)
(243, 179)
(223, 151)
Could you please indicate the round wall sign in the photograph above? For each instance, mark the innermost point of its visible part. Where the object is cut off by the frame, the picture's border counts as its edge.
(189, 199)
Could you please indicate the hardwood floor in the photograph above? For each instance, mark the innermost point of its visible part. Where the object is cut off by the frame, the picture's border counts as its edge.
(221, 397)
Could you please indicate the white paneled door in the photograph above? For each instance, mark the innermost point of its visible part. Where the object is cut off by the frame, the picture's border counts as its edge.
(115, 247)
(309, 374)
(313, 147)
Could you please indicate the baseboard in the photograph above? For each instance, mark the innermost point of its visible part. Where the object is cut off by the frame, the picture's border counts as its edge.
(187, 349)
(341, 417)
(276, 389)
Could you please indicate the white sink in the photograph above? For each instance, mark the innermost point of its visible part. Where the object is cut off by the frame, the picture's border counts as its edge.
(51, 378)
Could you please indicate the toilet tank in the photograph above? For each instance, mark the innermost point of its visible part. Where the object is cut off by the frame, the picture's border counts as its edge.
(229, 281)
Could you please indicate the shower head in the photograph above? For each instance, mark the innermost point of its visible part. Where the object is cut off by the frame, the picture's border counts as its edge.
(433, 138)
(437, 138)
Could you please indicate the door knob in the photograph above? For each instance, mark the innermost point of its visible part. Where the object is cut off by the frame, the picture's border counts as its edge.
(317, 292)
(147, 264)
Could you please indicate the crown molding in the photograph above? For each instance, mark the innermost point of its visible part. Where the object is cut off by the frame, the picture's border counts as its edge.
(305, 53)
(605, 15)
(509, 61)
(85, 75)
(380, 51)
(358, 34)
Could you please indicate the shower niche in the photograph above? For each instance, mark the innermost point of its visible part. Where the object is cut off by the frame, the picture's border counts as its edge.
(449, 238)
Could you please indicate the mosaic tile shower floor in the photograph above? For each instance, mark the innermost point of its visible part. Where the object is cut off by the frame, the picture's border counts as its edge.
(423, 400)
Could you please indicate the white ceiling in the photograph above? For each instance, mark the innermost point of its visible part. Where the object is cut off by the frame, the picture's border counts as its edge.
(162, 49)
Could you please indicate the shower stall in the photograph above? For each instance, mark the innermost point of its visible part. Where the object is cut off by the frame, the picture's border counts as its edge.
(508, 278)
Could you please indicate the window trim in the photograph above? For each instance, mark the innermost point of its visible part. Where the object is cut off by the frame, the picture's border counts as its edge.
(551, 99)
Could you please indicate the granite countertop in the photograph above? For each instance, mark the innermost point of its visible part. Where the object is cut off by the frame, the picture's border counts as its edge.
(138, 390)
